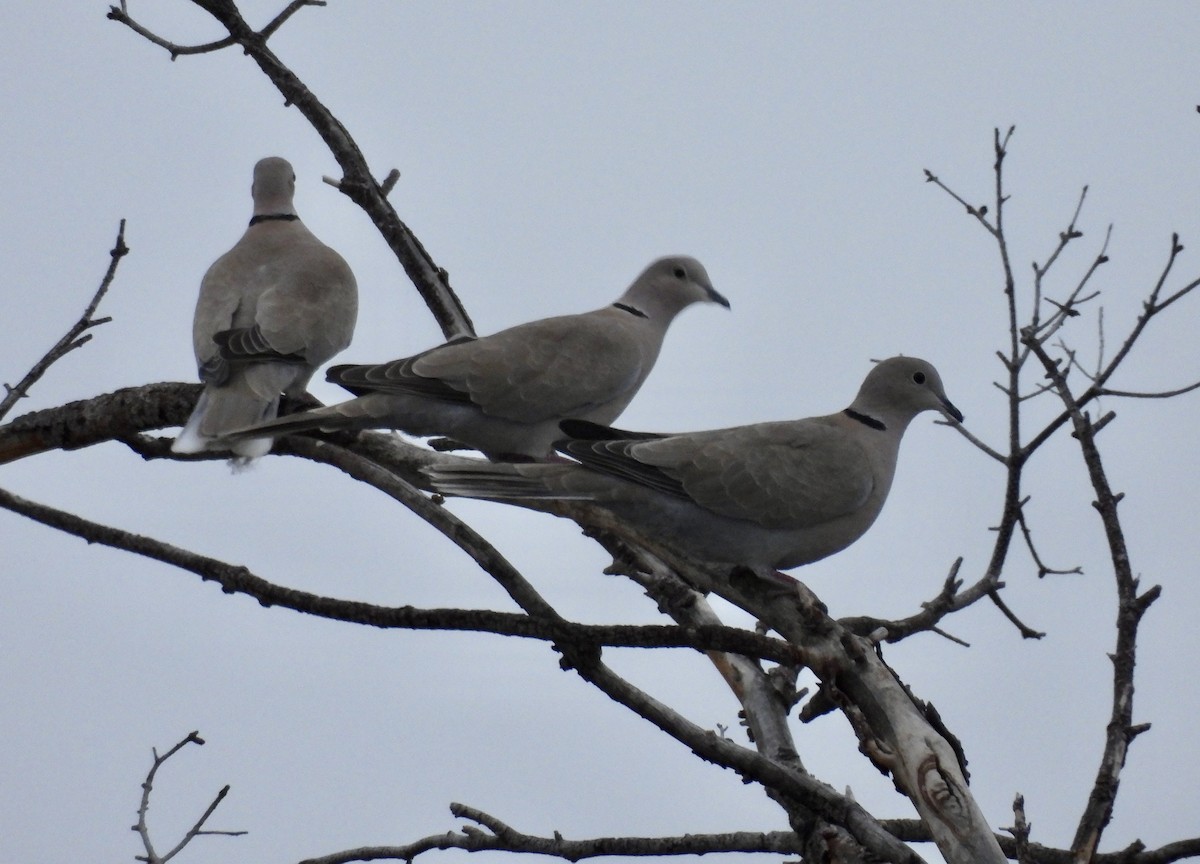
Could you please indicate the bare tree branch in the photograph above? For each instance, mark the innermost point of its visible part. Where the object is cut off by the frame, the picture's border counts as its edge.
(1064, 237)
(1014, 461)
(885, 715)
(1021, 827)
(1161, 394)
(1130, 607)
(978, 442)
(814, 794)
(197, 829)
(1043, 569)
(75, 337)
(1151, 307)
(120, 14)
(237, 579)
(499, 836)
(110, 417)
(766, 697)
(949, 600)
(1068, 308)
(978, 212)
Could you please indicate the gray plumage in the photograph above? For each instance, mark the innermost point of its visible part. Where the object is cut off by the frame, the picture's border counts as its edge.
(776, 494)
(505, 394)
(271, 310)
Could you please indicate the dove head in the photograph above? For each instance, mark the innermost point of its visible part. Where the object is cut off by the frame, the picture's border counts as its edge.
(899, 389)
(670, 285)
(274, 185)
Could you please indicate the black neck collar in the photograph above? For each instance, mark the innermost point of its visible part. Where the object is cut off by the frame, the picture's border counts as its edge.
(632, 310)
(865, 419)
(273, 217)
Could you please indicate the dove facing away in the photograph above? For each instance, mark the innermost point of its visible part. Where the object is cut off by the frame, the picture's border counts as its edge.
(271, 310)
(772, 495)
(505, 394)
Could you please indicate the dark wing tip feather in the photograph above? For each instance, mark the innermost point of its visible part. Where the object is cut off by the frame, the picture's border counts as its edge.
(346, 376)
(395, 376)
(586, 430)
(612, 457)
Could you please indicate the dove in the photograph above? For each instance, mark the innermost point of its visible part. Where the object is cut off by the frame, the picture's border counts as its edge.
(775, 495)
(504, 394)
(271, 310)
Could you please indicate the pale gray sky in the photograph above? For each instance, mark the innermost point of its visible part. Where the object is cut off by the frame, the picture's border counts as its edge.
(548, 152)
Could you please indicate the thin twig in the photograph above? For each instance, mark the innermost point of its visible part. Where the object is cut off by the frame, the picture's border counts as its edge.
(949, 600)
(120, 14)
(978, 442)
(75, 336)
(1043, 570)
(1133, 394)
(978, 212)
(281, 19)
(197, 829)
(1151, 306)
(1068, 308)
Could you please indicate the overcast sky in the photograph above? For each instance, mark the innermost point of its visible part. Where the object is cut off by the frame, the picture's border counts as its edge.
(549, 151)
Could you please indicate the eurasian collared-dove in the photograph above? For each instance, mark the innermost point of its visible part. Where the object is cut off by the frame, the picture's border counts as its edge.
(770, 495)
(272, 309)
(505, 394)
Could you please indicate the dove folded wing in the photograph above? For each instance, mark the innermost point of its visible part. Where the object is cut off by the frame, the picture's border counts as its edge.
(787, 474)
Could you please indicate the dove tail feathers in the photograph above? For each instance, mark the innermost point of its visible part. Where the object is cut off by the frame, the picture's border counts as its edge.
(325, 419)
(222, 409)
(500, 481)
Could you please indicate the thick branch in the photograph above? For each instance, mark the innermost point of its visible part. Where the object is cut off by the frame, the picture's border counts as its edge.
(896, 731)
(113, 416)
(711, 747)
(766, 697)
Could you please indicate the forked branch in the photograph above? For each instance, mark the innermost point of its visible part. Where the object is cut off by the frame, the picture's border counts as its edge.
(197, 829)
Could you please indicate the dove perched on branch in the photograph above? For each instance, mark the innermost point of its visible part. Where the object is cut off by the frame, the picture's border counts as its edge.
(271, 310)
(505, 394)
(772, 495)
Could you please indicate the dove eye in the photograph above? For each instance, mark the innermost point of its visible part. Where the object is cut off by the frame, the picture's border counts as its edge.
(919, 377)
(679, 273)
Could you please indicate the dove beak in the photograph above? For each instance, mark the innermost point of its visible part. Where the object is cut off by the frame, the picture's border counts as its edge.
(716, 297)
(949, 410)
